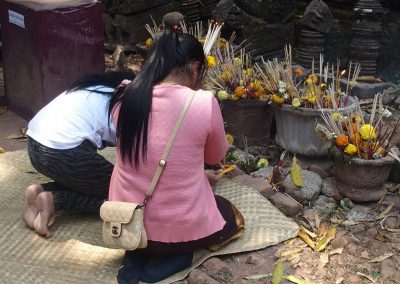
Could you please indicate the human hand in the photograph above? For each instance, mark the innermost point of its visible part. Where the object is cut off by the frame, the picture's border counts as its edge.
(213, 176)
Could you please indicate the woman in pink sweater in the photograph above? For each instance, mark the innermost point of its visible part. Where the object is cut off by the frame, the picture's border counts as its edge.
(183, 214)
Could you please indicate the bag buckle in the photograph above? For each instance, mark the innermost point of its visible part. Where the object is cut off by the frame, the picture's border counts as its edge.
(115, 229)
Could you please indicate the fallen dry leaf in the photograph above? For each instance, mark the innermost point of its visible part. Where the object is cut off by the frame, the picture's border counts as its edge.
(16, 136)
(368, 277)
(339, 280)
(381, 258)
(385, 212)
(293, 279)
(296, 260)
(381, 237)
(322, 228)
(323, 260)
(257, 277)
(303, 235)
(396, 231)
(277, 273)
(2, 150)
(290, 252)
(324, 241)
(335, 220)
(336, 251)
(295, 173)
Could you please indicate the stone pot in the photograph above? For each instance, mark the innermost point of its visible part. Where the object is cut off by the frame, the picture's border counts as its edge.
(248, 118)
(295, 129)
(362, 180)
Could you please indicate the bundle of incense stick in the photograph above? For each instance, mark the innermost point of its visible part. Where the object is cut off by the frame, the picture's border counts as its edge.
(154, 29)
(270, 73)
(333, 127)
(213, 34)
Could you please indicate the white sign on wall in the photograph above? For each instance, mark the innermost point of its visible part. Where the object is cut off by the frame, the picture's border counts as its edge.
(16, 18)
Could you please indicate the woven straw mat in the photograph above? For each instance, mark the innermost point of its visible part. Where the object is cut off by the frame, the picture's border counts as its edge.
(75, 253)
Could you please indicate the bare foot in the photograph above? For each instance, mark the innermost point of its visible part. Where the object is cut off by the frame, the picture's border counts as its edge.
(30, 210)
(44, 219)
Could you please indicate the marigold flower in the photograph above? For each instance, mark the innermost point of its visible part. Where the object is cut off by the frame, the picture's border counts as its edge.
(248, 71)
(313, 78)
(237, 61)
(262, 163)
(230, 138)
(342, 140)
(367, 132)
(312, 99)
(226, 75)
(296, 103)
(222, 95)
(211, 62)
(277, 99)
(240, 91)
(149, 42)
(261, 91)
(336, 116)
(299, 72)
(351, 149)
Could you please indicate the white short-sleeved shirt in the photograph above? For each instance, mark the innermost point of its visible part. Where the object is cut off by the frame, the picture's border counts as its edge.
(73, 117)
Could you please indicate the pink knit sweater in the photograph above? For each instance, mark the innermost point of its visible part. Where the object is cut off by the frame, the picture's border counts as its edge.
(182, 207)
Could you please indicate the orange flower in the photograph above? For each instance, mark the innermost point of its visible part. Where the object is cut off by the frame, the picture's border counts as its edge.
(342, 140)
(277, 99)
(299, 72)
(240, 91)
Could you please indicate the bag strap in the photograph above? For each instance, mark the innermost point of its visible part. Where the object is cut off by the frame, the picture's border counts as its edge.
(171, 140)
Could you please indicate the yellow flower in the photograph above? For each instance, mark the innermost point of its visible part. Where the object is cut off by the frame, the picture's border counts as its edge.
(202, 41)
(211, 63)
(248, 71)
(277, 99)
(230, 138)
(237, 61)
(350, 149)
(261, 92)
(296, 103)
(240, 91)
(342, 140)
(336, 116)
(312, 100)
(367, 132)
(262, 163)
(234, 97)
(313, 78)
(149, 42)
(223, 95)
(226, 76)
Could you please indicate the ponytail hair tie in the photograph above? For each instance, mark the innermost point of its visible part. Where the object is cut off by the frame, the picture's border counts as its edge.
(176, 27)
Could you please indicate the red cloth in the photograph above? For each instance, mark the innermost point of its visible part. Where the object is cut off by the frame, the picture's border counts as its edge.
(183, 206)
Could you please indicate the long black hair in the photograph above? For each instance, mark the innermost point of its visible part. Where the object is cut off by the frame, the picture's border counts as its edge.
(170, 52)
(109, 79)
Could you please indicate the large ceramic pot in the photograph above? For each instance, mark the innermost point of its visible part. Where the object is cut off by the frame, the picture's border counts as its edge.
(248, 118)
(295, 129)
(362, 180)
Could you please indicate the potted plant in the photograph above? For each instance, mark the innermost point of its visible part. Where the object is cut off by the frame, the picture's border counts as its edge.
(363, 150)
(298, 103)
(243, 97)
